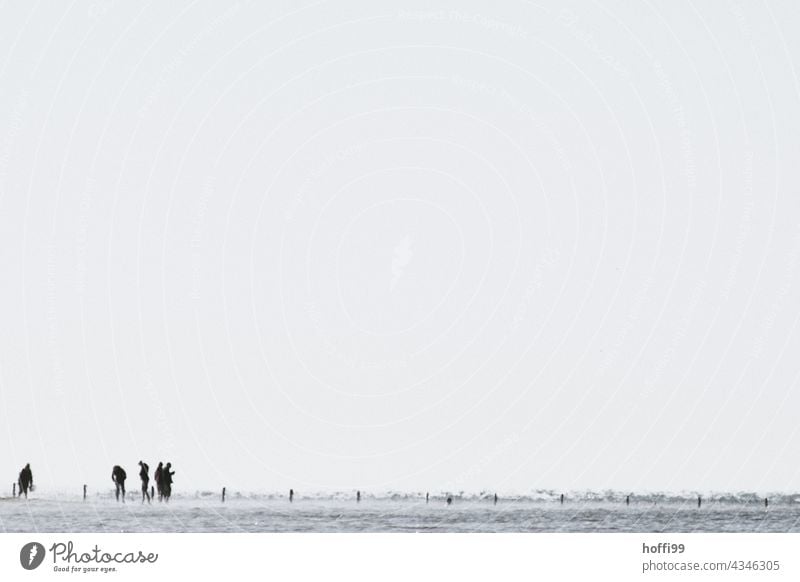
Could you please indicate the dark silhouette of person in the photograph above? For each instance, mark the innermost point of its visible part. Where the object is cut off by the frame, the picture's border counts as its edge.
(144, 470)
(358, 496)
(25, 480)
(158, 477)
(427, 496)
(291, 495)
(495, 498)
(118, 476)
(449, 500)
(166, 481)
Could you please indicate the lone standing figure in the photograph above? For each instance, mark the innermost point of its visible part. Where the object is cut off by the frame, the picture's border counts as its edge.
(144, 470)
(25, 480)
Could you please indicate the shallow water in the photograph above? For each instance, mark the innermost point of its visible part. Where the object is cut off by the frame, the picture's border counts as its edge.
(410, 514)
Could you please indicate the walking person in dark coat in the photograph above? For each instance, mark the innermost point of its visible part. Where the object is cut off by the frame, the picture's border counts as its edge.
(166, 481)
(158, 477)
(118, 476)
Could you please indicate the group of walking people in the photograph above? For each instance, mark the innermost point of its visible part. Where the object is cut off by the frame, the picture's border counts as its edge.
(162, 476)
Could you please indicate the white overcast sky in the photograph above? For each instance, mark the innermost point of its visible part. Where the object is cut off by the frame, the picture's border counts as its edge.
(454, 245)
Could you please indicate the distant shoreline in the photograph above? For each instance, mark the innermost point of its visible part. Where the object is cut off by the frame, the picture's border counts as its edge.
(608, 497)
